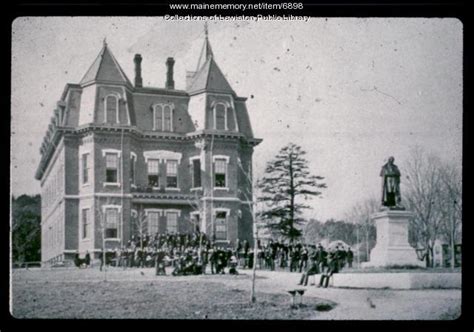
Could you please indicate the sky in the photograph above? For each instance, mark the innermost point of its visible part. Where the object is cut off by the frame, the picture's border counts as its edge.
(350, 91)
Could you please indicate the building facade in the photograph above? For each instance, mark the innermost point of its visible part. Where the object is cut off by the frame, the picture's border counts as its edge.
(120, 158)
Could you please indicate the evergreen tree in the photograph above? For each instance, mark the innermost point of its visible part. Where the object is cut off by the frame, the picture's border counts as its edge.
(287, 183)
(26, 228)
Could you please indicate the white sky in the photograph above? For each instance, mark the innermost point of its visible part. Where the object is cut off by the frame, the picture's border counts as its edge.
(351, 92)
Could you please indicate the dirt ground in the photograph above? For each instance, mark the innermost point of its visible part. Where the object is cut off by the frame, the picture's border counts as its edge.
(138, 293)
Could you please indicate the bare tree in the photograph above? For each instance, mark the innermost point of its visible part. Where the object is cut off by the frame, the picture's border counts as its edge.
(197, 205)
(140, 223)
(249, 193)
(451, 206)
(360, 214)
(423, 197)
(102, 225)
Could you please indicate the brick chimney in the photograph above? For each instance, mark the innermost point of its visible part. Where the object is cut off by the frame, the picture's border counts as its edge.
(169, 74)
(138, 70)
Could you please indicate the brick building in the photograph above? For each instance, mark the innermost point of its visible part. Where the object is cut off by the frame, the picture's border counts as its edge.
(116, 151)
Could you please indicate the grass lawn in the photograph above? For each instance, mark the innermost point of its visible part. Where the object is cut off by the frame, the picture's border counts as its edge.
(72, 293)
(138, 293)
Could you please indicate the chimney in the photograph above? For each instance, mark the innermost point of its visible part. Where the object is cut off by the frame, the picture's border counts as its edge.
(169, 73)
(138, 70)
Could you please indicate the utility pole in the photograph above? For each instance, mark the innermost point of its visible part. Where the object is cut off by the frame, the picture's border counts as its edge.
(123, 192)
(453, 233)
(251, 205)
(212, 188)
(255, 253)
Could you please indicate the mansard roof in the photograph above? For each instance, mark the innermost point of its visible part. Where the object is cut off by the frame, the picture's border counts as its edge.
(210, 78)
(105, 68)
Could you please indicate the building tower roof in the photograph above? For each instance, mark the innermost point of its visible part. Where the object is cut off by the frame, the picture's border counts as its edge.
(105, 68)
(208, 76)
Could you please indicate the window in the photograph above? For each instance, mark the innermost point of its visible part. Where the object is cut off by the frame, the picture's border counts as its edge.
(163, 117)
(220, 117)
(153, 222)
(111, 167)
(167, 118)
(196, 173)
(85, 223)
(111, 223)
(133, 159)
(85, 168)
(111, 109)
(153, 167)
(220, 170)
(221, 225)
(172, 222)
(158, 118)
(172, 174)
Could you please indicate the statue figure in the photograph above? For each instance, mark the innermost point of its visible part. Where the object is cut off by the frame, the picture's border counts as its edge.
(390, 174)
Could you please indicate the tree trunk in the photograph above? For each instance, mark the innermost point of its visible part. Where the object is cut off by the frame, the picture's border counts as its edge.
(104, 256)
(292, 197)
(453, 250)
(253, 298)
(429, 257)
(367, 250)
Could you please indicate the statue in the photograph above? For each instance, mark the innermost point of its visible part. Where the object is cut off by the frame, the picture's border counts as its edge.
(390, 174)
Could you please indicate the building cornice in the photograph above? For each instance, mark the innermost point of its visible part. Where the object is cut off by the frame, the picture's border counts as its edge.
(172, 136)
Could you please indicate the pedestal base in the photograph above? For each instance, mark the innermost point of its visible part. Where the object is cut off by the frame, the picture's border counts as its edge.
(392, 247)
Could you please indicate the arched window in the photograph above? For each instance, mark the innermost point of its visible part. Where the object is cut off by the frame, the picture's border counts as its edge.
(163, 117)
(220, 117)
(111, 109)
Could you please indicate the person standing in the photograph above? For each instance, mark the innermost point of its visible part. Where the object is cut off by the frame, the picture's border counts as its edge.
(88, 259)
(213, 259)
(321, 255)
(350, 257)
(294, 259)
(102, 259)
(160, 262)
(304, 259)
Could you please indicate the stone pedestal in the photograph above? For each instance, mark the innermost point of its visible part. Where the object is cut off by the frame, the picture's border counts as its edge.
(392, 247)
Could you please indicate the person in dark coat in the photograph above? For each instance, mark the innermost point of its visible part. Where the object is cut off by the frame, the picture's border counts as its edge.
(213, 259)
(77, 260)
(341, 259)
(221, 261)
(294, 259)
(304, 259)
(321, 258)
(160, 263)
(332, 266)
(88, 259)
(102, 259)
(251, 258)
(350, 257)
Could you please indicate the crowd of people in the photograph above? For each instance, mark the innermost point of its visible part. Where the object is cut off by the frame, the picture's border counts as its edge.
(191, 254)
(186, 253)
